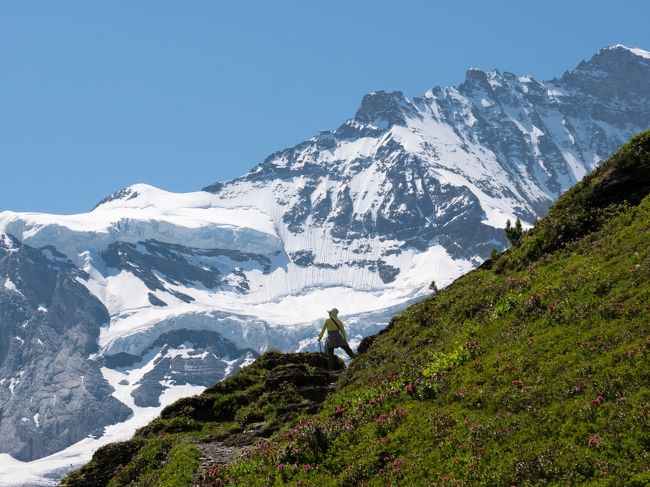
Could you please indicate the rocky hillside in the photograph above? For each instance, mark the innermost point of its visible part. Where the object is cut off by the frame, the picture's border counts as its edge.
(216, 428)
(531, 369)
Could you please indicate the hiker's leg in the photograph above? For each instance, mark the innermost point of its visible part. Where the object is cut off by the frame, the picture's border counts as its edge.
(330, 357)
(348, 350)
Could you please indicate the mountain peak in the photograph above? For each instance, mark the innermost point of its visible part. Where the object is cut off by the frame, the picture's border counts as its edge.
(610, 58)
(623, 48)
(123, 194)
(384, 110)
(616, 71)
(129, 193)
(475, 78)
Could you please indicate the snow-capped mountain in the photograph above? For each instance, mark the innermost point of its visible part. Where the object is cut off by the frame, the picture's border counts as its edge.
(153, 295)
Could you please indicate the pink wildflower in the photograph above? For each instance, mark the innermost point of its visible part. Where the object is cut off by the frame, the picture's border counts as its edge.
(595, 440)
(598, 400)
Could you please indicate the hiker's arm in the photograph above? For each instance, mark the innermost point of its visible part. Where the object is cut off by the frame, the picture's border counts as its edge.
(345, 336)
(322, 331)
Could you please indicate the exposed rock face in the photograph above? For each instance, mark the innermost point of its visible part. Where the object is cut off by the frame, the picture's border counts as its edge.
(52, 389)
(188, 357)
(449, 167)
(149, 259)
(52, 392)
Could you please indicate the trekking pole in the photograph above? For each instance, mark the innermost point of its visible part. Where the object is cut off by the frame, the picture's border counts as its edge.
(320, 354)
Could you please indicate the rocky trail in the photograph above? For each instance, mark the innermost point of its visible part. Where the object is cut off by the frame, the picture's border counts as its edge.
(312, 385)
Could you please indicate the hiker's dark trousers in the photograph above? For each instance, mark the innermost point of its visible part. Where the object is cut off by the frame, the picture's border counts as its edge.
(336, 340)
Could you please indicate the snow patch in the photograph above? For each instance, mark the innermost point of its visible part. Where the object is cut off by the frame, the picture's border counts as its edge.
(13, 382)
(634, 50)
(11, 287)
(8, 243)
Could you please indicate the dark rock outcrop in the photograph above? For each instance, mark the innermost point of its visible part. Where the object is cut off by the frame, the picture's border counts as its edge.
(52, 392)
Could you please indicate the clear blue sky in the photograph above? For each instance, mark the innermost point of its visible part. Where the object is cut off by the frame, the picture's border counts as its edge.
(97, 95)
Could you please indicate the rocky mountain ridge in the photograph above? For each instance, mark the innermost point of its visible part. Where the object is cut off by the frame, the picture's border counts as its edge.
(459, 157)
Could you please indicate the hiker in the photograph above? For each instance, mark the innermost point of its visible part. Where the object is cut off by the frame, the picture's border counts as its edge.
(336, 336)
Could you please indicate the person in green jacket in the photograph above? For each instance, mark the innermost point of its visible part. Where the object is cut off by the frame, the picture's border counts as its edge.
(336, 336)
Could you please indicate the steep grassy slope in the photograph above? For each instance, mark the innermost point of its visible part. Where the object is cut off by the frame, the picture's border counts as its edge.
(530, 370)
(215, 426)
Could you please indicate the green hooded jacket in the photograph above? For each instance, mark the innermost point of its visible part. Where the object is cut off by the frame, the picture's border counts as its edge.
(333, 324)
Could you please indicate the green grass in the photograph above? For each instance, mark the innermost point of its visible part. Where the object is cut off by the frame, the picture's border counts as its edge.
(532, 370)
(164, 452)
(180, 468)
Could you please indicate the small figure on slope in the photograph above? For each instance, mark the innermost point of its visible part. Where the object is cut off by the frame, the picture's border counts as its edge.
(336, 336)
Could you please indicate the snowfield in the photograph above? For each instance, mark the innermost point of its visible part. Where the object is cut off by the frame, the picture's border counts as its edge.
(288, 295)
